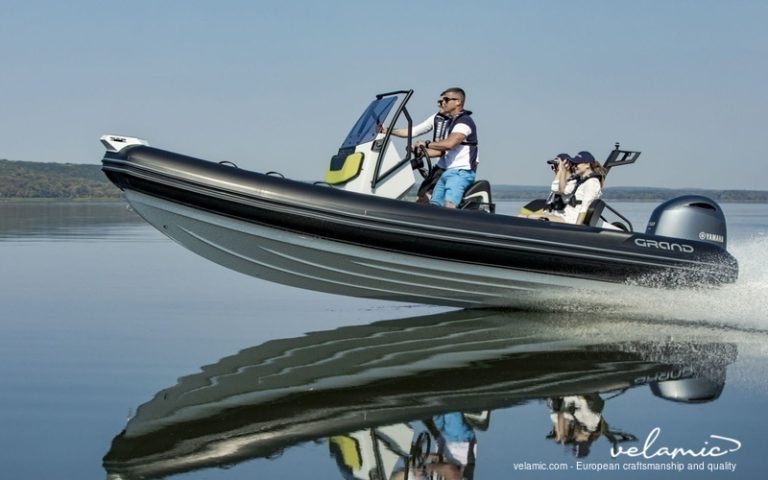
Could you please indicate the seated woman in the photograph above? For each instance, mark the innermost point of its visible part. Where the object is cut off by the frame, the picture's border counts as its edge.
(588, 176)
(562, 185)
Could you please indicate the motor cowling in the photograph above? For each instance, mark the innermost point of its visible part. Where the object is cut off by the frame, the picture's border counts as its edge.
(689, 390)
(692, 217)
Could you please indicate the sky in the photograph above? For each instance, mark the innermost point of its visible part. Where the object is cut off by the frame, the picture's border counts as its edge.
(277, 85)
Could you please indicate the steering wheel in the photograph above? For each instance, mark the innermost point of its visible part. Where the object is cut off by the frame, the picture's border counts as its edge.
(421, 155)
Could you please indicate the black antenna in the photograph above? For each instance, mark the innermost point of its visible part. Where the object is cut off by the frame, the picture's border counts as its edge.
(619, 157)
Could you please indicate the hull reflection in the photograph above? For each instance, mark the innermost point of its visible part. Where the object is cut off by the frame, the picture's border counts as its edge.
(376, 384)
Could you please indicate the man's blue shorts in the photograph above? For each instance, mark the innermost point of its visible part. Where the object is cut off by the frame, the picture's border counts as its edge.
(451, 186)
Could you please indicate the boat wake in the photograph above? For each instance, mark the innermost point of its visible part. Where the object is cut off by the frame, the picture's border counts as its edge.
(740, 305)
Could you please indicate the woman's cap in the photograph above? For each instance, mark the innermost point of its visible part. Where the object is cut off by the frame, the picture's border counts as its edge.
(561, 157)
(583, 157)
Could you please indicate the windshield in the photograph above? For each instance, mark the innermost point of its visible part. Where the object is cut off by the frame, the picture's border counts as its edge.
(367, 125)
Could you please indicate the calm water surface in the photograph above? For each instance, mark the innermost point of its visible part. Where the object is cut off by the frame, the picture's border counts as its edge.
(123, 355)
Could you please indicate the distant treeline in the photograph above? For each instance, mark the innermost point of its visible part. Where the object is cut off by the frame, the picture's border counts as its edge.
(638, 194)
(54, 180)
(65, 180)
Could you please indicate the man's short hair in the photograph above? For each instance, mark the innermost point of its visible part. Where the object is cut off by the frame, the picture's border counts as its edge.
(458, 91)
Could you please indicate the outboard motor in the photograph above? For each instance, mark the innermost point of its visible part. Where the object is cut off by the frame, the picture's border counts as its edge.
(689, 390)
(692, 217)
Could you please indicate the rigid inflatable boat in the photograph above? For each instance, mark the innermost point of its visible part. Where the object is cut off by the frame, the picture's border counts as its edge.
(375, 383)
(354, 234)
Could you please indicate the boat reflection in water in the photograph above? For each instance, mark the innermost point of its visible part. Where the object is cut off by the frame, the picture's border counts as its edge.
(408, 396)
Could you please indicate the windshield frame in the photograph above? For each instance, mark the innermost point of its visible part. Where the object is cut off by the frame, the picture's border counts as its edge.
(367, 126)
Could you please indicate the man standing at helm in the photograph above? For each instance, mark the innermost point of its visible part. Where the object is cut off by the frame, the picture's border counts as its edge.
(458, 150)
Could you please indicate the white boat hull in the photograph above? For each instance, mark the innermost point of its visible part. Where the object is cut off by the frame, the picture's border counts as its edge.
(335, 267)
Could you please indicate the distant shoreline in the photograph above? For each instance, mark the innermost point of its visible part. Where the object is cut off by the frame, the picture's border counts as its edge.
(612, 195)
(638, 194)
(38, 181)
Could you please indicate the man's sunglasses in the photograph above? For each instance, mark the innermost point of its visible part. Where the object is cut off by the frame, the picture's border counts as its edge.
(445, 99)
